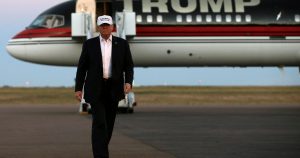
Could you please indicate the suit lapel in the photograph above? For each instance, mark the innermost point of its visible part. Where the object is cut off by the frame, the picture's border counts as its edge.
(114, 44)
(98, 52)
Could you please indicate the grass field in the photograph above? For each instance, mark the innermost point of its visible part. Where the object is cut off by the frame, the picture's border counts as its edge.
(164, 95)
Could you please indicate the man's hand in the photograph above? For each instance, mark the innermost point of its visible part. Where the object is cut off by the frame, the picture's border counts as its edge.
(127, 88)
(78, 95)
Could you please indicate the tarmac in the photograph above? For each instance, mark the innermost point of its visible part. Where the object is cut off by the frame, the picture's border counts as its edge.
(154, 131)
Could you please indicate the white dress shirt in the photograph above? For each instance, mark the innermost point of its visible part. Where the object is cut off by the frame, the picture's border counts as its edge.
(106, 56)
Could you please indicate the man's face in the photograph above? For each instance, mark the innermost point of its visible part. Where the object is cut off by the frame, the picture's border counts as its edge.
(105, 29)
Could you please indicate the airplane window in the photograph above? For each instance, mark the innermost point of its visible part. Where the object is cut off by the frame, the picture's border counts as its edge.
(208, 18)
(198, 18)
(159, 18)
(189, 18)
(49, 21)
(39, 21)
(218, 18)
(228, 18)
(297, 18)
(238, 18)
(58, 21)
(179, 18)
(248, 18)
(149, 18)
(139, 19)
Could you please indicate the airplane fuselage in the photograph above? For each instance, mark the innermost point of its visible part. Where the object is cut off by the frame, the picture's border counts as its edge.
(176, 33)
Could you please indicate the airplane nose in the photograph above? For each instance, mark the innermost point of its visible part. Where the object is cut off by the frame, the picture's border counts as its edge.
(16, 46)
(15, 49)
(45, 46)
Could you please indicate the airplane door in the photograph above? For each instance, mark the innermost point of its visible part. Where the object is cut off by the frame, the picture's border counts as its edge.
(87, 6)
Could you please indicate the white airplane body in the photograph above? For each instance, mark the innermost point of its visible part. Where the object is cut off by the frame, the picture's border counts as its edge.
(173, 33)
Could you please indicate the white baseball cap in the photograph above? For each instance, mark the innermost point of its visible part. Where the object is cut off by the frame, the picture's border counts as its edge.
(104, 19)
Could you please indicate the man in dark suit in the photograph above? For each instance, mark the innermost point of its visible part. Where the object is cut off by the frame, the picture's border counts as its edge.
(105, 70)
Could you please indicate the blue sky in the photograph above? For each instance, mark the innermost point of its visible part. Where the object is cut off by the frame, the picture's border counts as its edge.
(16, 15)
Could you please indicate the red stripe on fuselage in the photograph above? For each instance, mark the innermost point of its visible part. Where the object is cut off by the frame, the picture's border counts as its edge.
(179, 31)
(44, 32)
(218, 30)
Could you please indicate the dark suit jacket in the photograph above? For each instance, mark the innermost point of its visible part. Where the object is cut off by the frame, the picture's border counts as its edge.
(90, 70)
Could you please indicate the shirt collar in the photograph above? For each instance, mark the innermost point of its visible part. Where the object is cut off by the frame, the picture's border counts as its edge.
(102, 39)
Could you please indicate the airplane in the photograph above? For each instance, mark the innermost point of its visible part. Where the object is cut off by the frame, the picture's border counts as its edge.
(170, 33)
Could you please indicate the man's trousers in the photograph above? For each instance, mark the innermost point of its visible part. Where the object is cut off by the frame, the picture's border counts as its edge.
(104, 114)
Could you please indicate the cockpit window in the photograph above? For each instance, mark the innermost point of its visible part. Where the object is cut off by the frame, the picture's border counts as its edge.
(57, 16)
(49, 21)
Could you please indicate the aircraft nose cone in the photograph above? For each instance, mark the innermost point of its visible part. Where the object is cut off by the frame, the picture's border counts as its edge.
(16, 50)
